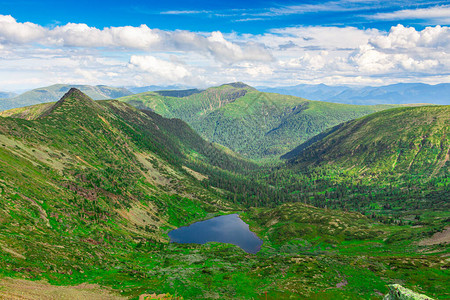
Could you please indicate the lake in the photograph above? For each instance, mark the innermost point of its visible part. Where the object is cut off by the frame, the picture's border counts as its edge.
(224, 229)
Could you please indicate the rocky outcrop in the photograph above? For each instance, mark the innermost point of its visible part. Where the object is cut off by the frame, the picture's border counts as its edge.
(397, 292)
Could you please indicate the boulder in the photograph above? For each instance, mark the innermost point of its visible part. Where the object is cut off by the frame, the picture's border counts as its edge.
(397, 292)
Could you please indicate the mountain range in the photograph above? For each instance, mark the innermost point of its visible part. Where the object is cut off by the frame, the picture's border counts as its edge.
(5, 95)
(152, 88)
(401, 93)
(255, 124)
(55, 92)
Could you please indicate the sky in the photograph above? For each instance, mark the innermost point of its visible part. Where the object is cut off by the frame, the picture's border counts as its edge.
(206, 43)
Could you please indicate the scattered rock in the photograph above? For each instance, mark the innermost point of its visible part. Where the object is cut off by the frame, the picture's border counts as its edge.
(442, 237)
(397, 292)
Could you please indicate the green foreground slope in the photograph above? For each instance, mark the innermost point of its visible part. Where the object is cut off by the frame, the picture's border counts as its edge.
(252, 123)
(89, 190)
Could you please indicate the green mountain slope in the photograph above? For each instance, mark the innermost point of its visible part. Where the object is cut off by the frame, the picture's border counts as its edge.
(78, 147)
(392, 165)
(55, 92)
(252, 123)
(402, 140)
(89, 190)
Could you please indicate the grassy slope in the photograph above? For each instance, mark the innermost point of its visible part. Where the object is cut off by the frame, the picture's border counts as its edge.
(28, 112)
(255, 124)
(83, 171)
(401, 140)
(89, 191)
(329, 248)
(54, 92)
(392, 165)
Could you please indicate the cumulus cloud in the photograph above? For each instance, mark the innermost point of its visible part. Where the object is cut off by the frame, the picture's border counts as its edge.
(13, 32)
(229, 51)
(165, 69)
(79, 53)
(129, 37)
(81, 35)
(405, 48)
(408, 37)
(329, 37)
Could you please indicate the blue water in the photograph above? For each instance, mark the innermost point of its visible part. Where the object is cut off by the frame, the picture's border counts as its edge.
(224, 229)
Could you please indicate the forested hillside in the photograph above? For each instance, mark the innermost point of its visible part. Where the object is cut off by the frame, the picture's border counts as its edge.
(252, 123)
(390, 165)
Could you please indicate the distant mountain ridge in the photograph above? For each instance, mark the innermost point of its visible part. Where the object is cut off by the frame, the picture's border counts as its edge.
(55, 92)
(5, 95)
(152, 88)
(401, 93)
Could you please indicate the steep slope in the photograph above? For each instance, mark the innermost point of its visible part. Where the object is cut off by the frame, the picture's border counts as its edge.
(28, 112)
(255, 124)
(85, 182)
(54, 92)
(401, 93)
(413, 140)
(391, 165)
(111, 164)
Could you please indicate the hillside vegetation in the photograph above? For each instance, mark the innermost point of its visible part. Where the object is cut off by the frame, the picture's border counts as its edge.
(55, 92)
(391, 165)
(252, 123)
(412, 140)
(89, 190)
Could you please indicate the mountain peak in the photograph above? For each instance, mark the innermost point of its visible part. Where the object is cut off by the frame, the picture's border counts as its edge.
(74, 95)
(239, 85)
(74, 99)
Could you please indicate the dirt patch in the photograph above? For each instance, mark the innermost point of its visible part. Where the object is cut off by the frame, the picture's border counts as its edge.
(19, 289)
(141, 215)
(442, 237)
(12, 252)
(196, 175)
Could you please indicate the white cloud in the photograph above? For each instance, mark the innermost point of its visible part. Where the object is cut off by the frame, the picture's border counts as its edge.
(318, 37)
(370, 60)
(408, 37)
(141, 38)
(230, 52)
(438, 13)
(185, 12)
(11, 31)
(34, 55)
(158, 67)
(81, 35)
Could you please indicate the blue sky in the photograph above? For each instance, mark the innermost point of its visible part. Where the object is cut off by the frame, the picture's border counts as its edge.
(226, 16)
(201, 43)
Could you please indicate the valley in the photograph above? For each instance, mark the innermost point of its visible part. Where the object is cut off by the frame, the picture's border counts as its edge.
(254, 124)
(90, 190)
